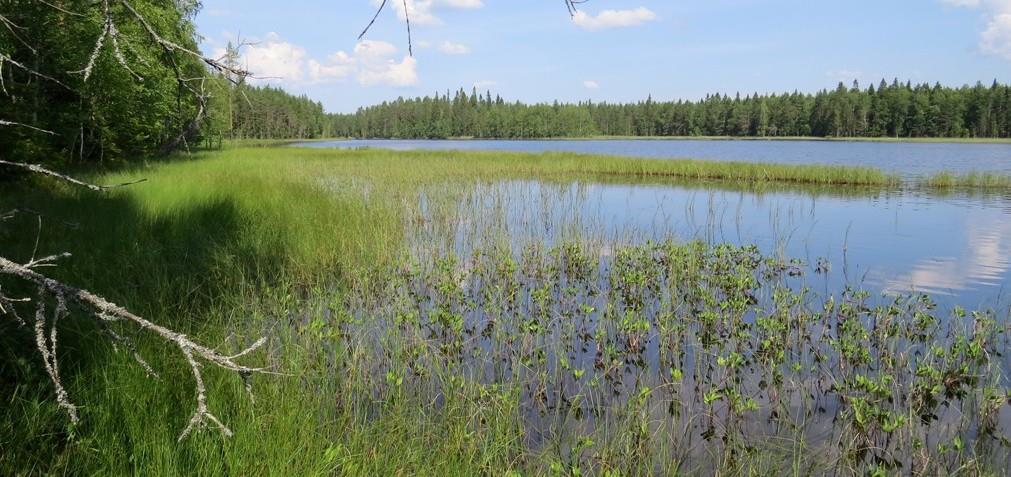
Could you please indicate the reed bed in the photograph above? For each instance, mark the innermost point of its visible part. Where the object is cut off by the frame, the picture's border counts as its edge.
(973, 181)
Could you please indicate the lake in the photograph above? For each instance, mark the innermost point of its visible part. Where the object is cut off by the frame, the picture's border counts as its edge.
(908, 159)
(955, 246)
(706, 315)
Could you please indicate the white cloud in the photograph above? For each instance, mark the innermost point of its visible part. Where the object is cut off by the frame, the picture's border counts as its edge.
(376, 67)
(485, 84)
(371, 63)
(340, 65)
(613, 18)
(451, 48)
(590, 84)
(420, 11)
(274, 59)
(995, 39)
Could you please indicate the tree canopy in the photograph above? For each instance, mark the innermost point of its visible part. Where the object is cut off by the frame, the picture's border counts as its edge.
(891, 109)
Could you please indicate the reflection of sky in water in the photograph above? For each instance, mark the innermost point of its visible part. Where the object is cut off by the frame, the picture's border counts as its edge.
(956, 247)
(905, 158)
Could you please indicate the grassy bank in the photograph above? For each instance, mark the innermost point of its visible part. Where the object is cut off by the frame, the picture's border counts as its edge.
(384, 371)
(952, 140)
(421, 166)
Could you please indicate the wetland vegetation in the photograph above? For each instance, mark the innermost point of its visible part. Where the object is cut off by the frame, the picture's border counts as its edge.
(409, 338)
(235, 304)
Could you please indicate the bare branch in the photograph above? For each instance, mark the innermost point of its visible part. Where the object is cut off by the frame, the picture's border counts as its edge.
(47, 348)
(42, 170)
(172, 47)
(109, 31)
(407, 18)
(571, 5)
(12, 123)
(13, 28)
(104, 310)
(374, 17)
(30, 71)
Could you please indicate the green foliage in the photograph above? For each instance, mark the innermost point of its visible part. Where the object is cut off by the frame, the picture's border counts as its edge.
(270, 113)
(119, 111)
(893, 110)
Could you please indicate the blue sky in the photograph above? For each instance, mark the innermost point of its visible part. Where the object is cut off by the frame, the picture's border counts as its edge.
(615, 50)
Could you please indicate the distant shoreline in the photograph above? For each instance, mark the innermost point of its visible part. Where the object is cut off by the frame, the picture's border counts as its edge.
(938, 140)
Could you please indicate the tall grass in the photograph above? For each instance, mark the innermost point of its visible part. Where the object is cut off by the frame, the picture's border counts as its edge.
(973, 180)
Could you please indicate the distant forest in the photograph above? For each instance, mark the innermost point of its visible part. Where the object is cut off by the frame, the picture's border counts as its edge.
(900, 110)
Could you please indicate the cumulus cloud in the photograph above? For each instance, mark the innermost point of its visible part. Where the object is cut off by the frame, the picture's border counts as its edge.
(377, 67)
(451, 48)
(371, 63)
(421, 11)
(272, 59)
(613, 18)
(995, 39)
(590, 84)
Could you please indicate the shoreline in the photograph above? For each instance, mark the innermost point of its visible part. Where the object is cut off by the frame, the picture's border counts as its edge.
(923, 140)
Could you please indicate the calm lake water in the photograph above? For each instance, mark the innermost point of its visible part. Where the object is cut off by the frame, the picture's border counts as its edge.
(906, 159)
(955, 246)
(515, 324)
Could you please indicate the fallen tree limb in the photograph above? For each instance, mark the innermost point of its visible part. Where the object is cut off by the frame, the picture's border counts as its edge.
(104, 311)
(48, 172)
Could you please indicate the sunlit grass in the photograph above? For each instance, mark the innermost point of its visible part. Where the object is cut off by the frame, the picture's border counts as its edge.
(971, 180)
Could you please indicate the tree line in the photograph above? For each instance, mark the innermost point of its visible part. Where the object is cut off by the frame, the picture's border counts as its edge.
(88, 82)
(895, 109)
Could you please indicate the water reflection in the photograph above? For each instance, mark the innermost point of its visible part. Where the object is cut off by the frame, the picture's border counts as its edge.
(904, 158)
(982, 264)
(956, 245)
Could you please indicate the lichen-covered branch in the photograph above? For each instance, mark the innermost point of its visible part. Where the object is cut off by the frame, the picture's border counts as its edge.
(102, 310)
(48, 172)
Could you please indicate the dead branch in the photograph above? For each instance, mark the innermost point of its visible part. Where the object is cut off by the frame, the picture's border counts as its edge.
(171, 47)
(42, 170)
(571, 5)
(30, 71)
(12, 123)
(407, 17)
(104, 311)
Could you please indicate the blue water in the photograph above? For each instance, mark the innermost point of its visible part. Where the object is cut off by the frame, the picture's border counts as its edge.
(956, 247)
(905, 158)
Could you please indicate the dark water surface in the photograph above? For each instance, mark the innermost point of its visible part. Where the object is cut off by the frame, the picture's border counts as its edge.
(909, 159)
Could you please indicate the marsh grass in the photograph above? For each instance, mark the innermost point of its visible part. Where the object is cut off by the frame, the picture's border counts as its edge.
(405, 352)
(981, 181)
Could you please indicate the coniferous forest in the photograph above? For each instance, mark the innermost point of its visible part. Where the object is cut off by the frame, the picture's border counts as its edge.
(896, 109)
